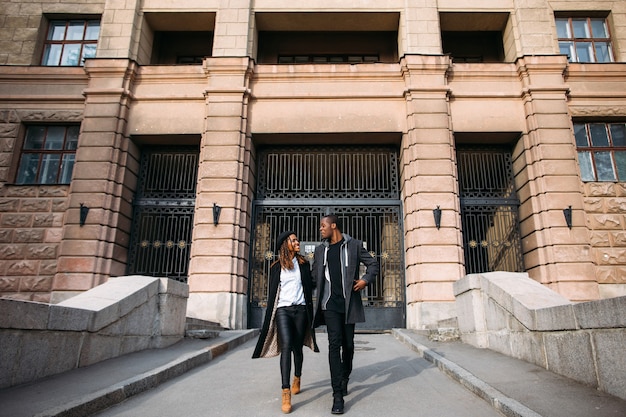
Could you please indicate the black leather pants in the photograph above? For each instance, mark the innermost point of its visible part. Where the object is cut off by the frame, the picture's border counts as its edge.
(291, 323)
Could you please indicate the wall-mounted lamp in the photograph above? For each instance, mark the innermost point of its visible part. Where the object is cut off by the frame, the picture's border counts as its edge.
(437, 215)
(567, 212)
(216, 213)
(83, 214)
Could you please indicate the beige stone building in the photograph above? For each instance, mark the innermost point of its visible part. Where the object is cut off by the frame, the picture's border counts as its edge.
(178, 138)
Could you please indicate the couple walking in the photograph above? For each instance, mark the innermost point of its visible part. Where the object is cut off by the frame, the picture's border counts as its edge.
(289, 321)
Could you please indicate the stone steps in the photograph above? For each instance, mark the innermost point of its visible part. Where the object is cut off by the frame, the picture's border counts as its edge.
(201, 329)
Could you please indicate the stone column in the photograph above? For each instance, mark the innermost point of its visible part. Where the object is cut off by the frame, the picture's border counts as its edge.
(219, 260)
(232, 29)
(548, 181)
(104, 180)
(419, 28)
(434, 258)
(120, 29)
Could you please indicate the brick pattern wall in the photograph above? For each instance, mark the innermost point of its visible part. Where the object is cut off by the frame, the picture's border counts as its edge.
(31, 224)
(605, 205)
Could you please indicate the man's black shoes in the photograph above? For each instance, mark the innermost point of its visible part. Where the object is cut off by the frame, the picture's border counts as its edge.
(337, 405)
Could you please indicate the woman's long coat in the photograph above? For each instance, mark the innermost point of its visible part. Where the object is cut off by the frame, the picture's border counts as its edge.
(268, 344)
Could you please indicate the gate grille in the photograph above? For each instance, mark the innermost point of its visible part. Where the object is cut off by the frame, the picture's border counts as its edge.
(378, 228)
(163, 213)
(298, 186)
(489, 210)
(332, 172)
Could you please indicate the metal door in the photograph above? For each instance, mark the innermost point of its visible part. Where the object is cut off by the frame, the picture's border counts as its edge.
(163, 213)
(489, 210)
(298, 186)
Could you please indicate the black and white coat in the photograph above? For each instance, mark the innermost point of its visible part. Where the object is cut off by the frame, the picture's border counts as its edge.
(268, 344)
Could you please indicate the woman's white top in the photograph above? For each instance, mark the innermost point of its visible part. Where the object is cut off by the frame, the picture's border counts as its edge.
(291, 287)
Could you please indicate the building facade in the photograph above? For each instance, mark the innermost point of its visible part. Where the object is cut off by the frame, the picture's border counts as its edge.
(178, 139)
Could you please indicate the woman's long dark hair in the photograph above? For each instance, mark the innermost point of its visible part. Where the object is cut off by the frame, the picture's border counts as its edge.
(284, 259)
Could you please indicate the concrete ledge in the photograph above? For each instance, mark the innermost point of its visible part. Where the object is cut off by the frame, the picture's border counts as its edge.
(515, 315)
(123, 315)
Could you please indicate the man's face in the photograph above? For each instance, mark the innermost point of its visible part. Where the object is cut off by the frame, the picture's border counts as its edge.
(326, 228)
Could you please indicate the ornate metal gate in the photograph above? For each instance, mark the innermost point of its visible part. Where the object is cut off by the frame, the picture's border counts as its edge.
(298, 186)
(163, 213)
(489, 210)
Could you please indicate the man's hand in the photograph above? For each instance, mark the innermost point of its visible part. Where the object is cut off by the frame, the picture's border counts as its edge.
(359, 284)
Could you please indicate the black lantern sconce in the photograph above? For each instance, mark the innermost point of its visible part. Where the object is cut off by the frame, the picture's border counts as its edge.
(83, 214)
(216, 213)
(437, 216)
(567, 212)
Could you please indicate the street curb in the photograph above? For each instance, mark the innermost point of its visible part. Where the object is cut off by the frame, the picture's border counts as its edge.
(116, 393)
(506, 405)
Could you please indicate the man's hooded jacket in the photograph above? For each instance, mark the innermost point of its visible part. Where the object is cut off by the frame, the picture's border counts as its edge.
(352, 254)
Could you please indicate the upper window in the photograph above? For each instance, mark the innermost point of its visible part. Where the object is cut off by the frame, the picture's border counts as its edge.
(70, 42)
(321, 47)
(584, 39)
(48, 154)
(601, 151)
(325, 59)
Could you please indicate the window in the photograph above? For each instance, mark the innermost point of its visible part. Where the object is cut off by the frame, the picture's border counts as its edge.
(70, 42)
(320, 47)
(181, 48)
(474, 37)
(326, 59)
(584, 39)
(601, 151)
(48, 155)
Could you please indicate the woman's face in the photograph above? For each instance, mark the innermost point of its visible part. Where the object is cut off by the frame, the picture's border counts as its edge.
(293, 243)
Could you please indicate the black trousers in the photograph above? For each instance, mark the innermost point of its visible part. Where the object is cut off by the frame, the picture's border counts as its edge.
(291, 323)
(340, 348)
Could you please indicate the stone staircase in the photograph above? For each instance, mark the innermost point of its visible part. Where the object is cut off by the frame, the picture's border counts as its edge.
(201, 329)
(447, 330)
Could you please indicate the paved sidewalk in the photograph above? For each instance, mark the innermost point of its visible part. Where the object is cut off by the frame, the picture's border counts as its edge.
(398, 374)
(84, 391)
(512, 386)
(389, 379)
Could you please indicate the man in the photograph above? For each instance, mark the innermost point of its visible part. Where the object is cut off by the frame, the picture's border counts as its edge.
(339, 307)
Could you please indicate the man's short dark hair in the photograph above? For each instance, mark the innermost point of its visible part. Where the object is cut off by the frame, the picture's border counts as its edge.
(333, 218)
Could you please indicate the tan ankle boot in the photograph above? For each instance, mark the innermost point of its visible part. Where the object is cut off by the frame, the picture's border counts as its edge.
(286, 401)
(295, 387)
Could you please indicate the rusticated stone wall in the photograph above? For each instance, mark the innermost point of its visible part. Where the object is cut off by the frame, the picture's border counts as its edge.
(605, 205)
(31, 218)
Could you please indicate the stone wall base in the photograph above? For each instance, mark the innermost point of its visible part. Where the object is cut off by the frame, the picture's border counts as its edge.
(427, 315)
(123, 315)
(515, 315)
(230, 310)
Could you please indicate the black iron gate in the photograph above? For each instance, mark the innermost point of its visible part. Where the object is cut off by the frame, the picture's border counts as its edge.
(298, 186)
(489, 210)
(163, 213)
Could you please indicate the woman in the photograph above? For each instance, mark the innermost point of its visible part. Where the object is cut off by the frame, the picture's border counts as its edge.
(289, 315)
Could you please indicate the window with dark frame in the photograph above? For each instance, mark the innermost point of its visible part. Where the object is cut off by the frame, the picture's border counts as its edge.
(327, 59)
(584, 39)
(48, 154)
(601, 151)
(70, 42)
